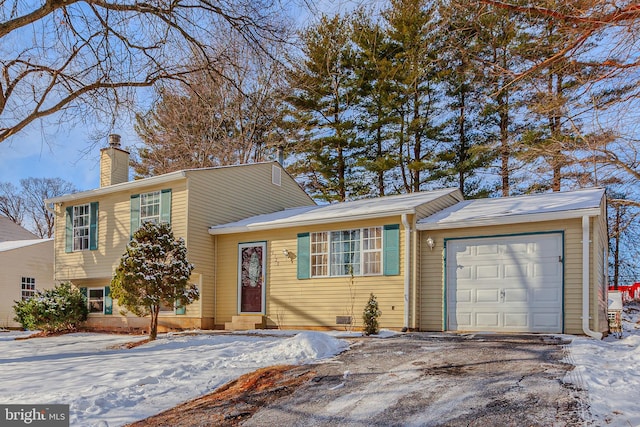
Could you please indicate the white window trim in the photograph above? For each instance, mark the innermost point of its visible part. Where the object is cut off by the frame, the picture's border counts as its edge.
(25, 282)
(360, 251)
(86, 228)
(89, 300)
(154, 218)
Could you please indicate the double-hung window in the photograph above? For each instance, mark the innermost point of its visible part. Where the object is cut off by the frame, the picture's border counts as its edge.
(81, 230)
(154, 206)
(367, 251)
(95, 299)
(28, 288)
(150, 207)
(355, 252)
(81, 223)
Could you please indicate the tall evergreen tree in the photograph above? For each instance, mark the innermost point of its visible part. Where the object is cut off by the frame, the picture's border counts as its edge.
(374, 72)
(322, 99)
(465, 152)
(499, 36)
(411, 27)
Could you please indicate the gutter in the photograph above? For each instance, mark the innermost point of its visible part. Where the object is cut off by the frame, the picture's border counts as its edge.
(585, 281)
(407, 265)
(443, 224)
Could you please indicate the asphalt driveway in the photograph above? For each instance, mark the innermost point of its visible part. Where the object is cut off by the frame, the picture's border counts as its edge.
(423, 379)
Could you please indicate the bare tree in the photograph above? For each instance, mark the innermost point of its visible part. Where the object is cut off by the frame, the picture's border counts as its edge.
(211, 119)
(25, 206)
(34, 193)
(86, 58)
(11, 204)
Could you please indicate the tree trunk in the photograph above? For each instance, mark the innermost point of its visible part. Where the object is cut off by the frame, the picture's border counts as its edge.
(153, 329)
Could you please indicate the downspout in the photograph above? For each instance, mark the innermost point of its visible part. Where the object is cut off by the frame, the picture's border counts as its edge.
(585, 280)
(407, 273)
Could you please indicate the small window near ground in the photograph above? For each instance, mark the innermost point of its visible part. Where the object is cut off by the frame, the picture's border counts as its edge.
(95, 299)
(28, 287)
(166, 308)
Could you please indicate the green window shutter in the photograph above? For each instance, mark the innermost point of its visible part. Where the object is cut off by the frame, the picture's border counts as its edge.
(165, 206)
(84, 293)
(391, 249)
(68, 230)
(108, 301)
(93, 227)
(135, 213)
(181, 309)
(304, 256)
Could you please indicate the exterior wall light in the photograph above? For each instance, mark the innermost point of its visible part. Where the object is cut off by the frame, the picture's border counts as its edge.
(289, 254)
(431, 243)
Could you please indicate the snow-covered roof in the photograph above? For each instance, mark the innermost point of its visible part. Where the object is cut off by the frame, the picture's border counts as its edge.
(517, 209)
(347, 211)
(17, 244)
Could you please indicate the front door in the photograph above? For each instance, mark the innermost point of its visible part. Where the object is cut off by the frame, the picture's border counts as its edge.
(251, 274)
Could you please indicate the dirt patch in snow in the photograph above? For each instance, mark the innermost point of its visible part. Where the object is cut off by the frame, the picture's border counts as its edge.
(235, 401)
(410, 380)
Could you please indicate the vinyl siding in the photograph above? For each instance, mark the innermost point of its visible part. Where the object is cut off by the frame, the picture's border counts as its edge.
(227, 195)
(599, 272)
(113, 232)
(308, 303)
(202, 198)
(30, 261)
(431, 287)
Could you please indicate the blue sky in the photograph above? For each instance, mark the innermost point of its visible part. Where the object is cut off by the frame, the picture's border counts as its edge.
(40, 151)
(68, 154)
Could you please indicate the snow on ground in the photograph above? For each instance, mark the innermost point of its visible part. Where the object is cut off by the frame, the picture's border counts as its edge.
(107, 386)
(610, 371)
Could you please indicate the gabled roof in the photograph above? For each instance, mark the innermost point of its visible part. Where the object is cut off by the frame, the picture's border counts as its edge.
(144, 182)
(517, 209)
(17, 244)
(9, 230)
(346, 211)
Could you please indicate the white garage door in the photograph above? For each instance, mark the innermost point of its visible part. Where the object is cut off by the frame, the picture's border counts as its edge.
(505, 284)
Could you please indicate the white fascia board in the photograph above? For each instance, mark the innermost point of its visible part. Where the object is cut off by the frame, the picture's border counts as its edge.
(301, 223)
(129, 185)
(512, 219)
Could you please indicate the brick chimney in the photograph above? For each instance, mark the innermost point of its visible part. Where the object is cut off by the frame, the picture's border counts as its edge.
(114, 163)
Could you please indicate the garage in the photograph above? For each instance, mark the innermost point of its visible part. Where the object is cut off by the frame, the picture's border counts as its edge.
(505, 283)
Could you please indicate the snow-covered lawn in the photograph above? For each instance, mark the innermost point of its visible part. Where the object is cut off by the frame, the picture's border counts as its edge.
(112, 387)
(610, 371)
(107, 386)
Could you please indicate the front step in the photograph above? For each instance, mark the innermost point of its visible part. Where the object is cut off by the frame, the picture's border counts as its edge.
(245, 322)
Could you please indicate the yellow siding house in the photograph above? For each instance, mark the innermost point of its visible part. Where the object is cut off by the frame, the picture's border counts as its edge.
(93, 227)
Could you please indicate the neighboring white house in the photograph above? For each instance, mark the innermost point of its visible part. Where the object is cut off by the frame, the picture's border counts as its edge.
(26, 263)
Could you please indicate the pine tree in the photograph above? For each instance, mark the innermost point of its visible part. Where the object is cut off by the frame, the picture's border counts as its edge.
(411, 28)
(370, 316)
(322, 98)
(153, 272)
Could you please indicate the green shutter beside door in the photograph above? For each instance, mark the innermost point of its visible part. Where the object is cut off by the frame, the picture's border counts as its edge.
(68, 230)
(304, 256)
(391, 249)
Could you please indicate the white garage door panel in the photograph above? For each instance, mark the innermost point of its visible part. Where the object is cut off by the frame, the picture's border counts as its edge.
(505, 284)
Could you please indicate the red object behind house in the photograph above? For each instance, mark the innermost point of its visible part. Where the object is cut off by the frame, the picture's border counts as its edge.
(629, 293)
